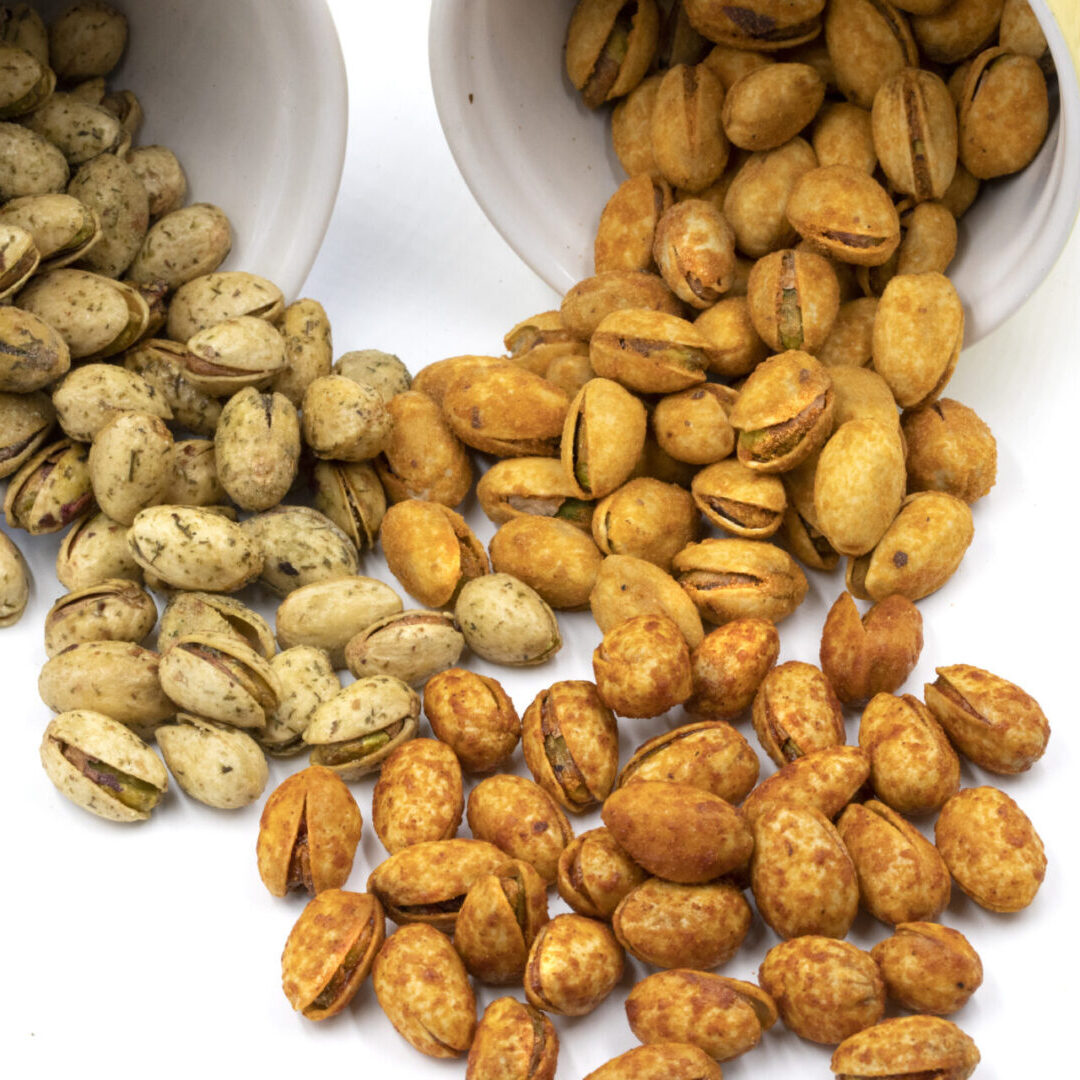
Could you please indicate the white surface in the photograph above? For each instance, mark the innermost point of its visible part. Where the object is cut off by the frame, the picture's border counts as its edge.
(156, 949)
(542, 166)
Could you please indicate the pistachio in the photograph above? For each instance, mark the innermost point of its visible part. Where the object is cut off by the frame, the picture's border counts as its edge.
(29, 164)
(628, 223)
(767, 107)
(410, 645)
(550, 555)
(307, 680)
(14, 583)
(796, 711)
(513, 1042)
(183, 245)
(906, 1046)
(843, 136)
(94, 394)
(596, 461)
(26, 421)
(257, 448)
(869, 41)
(693, 426)
(649, 351)
(115, 610)
(162, 365)
(537, 487)
(192, 475)
(609, 46)
(130, 466)
(219, 766)
(102, 766)
(586, 305)
(344, 420)
(642, 667)
(50, 490)
(694, 248)
(202, 612)
(351, 495)
(234, 353)
(646, 519)
(950, 449)
(742, 501)
(928, 968)
(573, 964)
(506, 622)
(372, 367)
(109, 186)
(210, 299)
(594, 874)
(94, 550)
(32, 353)
(418, 795)
(763, 25)
(163, 177)
(662, 1061)
(474, 716)
(688, 141)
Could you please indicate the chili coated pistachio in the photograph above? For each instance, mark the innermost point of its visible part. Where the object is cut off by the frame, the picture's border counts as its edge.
(906, 1046)
(472, 714)
(688, 141)
(573, 964)
(796, 712)
(928, 968)
(506, 622)
(851, 340)
(631, 120)
(823, 780)
(842, 136)
(727, 668)
(647, 519)
(642, 667)
(513, 1042)
(418, 795)
(595, 873)
(662, 1061)
(868, 42)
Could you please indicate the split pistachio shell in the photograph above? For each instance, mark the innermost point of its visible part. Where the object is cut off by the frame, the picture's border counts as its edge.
(682, 926)
(421, 984)
(111, 189)
(363, 724)
(950, 449)
(649, 352)
(19, 258)
(724, 1017)
(351, 495)
(27, 82)
(330, 951)
(507, 622)
(688, 141)
(868, 42)
(595, 873)
(928, 968)
(203, 612)
(14, 583)
(162, 365)
(913, 768)
(642, 666)
(102, 766)
(301, 547)
(990, 720)
(794, 298)
(29, 164)
(628, 223)
(94, 550)
(474, 716)
(418, 795)
(194, 548)
(210, 299)
(513, 1042)
(257, 448)
(646, 519)
(694, 249)
(327, 614)
(307, 680)
(728, 666)
(193, 479)
(183, 245)
(380, 370)
(796, 711)
(431, 551)
(115, 610)
(117, 678)
(823, 780)
(531, 486)
(594, 459)
(918, 334)
(609, 46)
(162, 175)
(677, 831)
(308, 833)
(498, 922)
(32, 354)
(130, 464)
(590, 301)
(25, 423)
(661, 1061)
(216, 765)
(96, 317)
(740, 500)
(410, 645)
(237, 352)
(552, 556)
(427, 882)
(627, 586)
(825, 990)
(50, 490)
(94, 394)
(919, 552)
(573, 964)
(767, 107)
(693, 426)
(907, 1046)
(803, 879)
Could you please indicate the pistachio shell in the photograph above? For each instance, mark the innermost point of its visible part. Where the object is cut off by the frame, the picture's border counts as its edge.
(904, 1046)
(93, 550)
(307, 680)
(51, 489)
(115, 610)
(238, 352)
(33, 353)
(216, 765)
(418, 795)
(14, 583)
(163, 177)
(25, 423)
(513, 1042)
(130, 464)
(574, 963)
(203, 612)
(210, 299)
(506, 622)
(183, 245)
(110, 187)
(823, 780)
(410, 645)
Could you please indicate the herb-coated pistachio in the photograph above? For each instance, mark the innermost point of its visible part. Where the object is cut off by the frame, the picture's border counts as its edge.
(32, 353)
(219, 766)
(191, 547)
(232, 354)
(87, 40)
(163, 177)
(79, 129)
(210, 299)
(50, 490)
(418, 795)
(868, 42)
(29, 164)
(162, 365)
(552, 556)
(796, 711)
(129, 464)
(351, 495)
(642, 666)
(344, 420)
(628, 223)
(928, 968)
(688, 141)
(14, 583)
(93, 550)
(257, 448)
(183, 245)
(111, 189)
(63, 228)
(507, 622)
(474, 716)
(907, 1046)
(301, 547)
(308, 833)
(27, 82)
(307, 680)
(25, 423)
(115, 610)
(410, 645)
(102, 766)
(609, 46)
(330, 951)
(19, 258)
(21, 25)
(513, 1041)
(193, 479)
(94, 394)
(363, 724)
(764, 25)
(208, 613)
(661, 1061)
(372, 367)
(627, 586)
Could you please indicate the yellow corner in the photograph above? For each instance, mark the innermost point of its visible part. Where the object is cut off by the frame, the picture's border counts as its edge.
(1067, 13)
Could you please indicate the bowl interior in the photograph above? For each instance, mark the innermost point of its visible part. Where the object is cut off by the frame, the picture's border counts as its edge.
(252, 98)
(541, 165)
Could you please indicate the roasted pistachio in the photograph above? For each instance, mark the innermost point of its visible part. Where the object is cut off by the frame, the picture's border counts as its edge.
(183, 245)
(950, 449)
(232, 354)
(25, 423)
(29, 164)
(513, 1042)
(764, 25)
(628, 224)
(130, 466)
(344, 420)
(308, 348)
(645, 519)
(693, 425)
(928, 968)
(609, 46)
(590, 301)
(115, 610)
(688, 141)
(728, 666)
(161, 364)
(649, 352)
(740, 500)
(595, 873)
(573, 964)
(627, 586)
(50, 490)
(906, 1046)
(596, 461)
(418, 795)
(694, 249)
(642, 667)
(550, 555)
(93, 394)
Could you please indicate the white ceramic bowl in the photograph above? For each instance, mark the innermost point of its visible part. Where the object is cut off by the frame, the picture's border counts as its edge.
(252, 98)
(540, 163)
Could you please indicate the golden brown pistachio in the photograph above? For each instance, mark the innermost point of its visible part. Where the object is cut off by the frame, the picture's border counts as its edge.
(25, 423)
(862, 394)
(802, 876)
(851, 340)
(693, 426)
(649, 351)
(102, 766)
(355, 730)
(609, 46)
(507, 622)
(573, 964)
(736, 579)
(327, 614)
(590, 301)
(756, 24)
(498, 922)
(435, 379)
(988, 719)
(519, 817)
(662, 1061)
(115, 610)
(928, 968)
(14, 585)
(520, 487)
(794, 298)
(535, 343)
(677, 831)
(183, 245)
(627, 586)
(682, 926)
(724, 1017)
(431, 551)
(736, 347)
(330, 950)
(372, 367)
(301, 547)
(991, 848)
(410, 645)
(688, 141)
(549, 555)
(796, 712)
(825, 990)
(642, 666)
(950, 449)
(919, 552)
(630, 128)
(216, 765)
(162, 365)
(803, 536)
(862, 657)
(93, 550)
(784, 412)
(842, 136)
(767, 107)
(473, 714)
(906, 1046)
(930, 239)
(50, 490)
(111, 188)
(730, 63)
(823, 780)
(657, 464)
(628, 223)
(570, 742)
(594, 873)
(513, 1042)
(343, 420)
(645, 519)
(902, 878)
(418, 795)
(694, 249)
(869, 41)
(427, 882)
(307, 680)
(421, 984)
(210, 299)
(130, 464)
(1020, 32)
(351, 495)
(308, 833)
(913, 768)
(728, 666)
(949, 35)
(740, 500)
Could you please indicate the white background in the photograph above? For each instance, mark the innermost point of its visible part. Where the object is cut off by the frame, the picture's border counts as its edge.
(155, 949)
